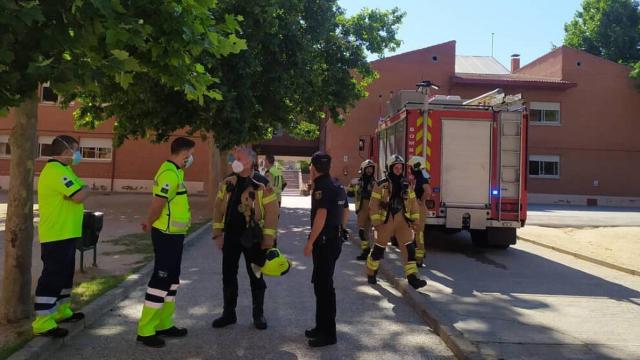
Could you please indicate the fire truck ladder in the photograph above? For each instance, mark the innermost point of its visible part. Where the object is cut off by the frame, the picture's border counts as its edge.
(510, 147)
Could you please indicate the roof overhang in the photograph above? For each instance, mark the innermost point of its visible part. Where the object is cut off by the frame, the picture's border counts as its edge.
(512, 80)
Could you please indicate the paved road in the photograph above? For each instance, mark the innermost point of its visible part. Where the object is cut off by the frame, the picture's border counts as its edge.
(531, 303)
(581, 216)
(373, 323)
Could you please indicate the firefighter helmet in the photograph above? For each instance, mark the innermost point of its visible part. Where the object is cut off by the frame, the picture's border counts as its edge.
(417, 163)
(365, 164)
(276, 263)
(393, 160)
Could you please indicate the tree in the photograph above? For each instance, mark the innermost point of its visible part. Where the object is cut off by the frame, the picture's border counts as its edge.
(607, 28)
(93, 47)
(305, 59)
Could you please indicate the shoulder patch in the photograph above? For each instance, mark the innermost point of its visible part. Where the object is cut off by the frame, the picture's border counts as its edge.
(317, 195)
(165, 189)
(67, 181)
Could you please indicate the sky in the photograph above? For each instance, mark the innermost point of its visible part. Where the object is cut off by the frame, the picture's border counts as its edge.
(525, 27)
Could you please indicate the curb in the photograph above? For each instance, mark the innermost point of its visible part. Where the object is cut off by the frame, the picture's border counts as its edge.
(462, 348)
(583, 257)
(39, 346)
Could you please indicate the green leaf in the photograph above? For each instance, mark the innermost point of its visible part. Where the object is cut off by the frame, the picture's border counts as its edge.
(120, 54)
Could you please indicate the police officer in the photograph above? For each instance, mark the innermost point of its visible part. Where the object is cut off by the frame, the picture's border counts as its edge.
(273, 173)
(168, 220)
(361, 188)
(420, 183)
(328, 213)
(394, 210)
(244, 200)
(60, 195)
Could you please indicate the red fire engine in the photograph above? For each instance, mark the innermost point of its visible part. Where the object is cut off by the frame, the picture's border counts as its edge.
(475, 155)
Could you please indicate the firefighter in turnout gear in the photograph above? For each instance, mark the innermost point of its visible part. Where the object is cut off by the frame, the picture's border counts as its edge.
(394, 211)
(169, 220)
(420, 183)
(245, 223)
(61, 195)
(361, 188)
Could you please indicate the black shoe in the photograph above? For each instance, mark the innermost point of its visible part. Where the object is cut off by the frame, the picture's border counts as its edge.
(312, 333)
(224, 320)
(260, 322)
(174, 332)
(322, 341)
(416, 282)
(56, 333)
(364, 255)
(152, 341)
(77, 316)
(371, 279)
(420, 263)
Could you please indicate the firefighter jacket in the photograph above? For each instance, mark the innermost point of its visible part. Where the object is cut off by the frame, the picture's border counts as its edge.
(381, 202)
(361, 188)
(257, 197)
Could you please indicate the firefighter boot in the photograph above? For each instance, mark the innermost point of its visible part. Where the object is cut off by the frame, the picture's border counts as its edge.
(229, 312)
(258, 309)
(416, 282)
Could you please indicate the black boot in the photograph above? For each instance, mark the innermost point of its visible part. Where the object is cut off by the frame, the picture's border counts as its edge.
(229, 313)
(363, 256)
(258, 309)
(372, 279)
(416, 282)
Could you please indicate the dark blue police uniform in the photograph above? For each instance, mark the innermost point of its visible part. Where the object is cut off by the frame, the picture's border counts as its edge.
(327, 194)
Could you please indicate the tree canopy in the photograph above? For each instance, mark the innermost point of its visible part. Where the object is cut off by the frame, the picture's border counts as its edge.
(304, 59)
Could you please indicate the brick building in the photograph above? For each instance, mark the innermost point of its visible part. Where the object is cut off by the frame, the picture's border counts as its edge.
(583, 144)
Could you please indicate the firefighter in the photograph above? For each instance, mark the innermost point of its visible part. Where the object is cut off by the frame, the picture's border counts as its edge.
(61, 195)
(329, 211)
(244, 204)
(394, 210)
(273, 173)
(420, 183)
(168, 220)
(361, 188)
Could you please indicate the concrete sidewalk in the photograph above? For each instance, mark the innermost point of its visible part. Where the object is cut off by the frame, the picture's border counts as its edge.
(528, 302)
(373, 322)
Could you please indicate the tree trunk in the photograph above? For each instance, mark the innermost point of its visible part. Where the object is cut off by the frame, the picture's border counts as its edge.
(15, 303)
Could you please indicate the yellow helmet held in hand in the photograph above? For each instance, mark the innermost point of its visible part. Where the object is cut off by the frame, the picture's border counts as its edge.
(418, 164)
(276, 263)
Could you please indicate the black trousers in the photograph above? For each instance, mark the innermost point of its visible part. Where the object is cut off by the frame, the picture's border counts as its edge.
(326, 251)
(56, 281)
(165, 279)
(231, 252)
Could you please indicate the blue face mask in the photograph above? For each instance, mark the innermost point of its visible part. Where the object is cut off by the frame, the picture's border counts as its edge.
(77, 157)
(230, 158)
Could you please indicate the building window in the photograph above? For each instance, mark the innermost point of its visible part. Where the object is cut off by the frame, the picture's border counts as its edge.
(47, 95)
(96, 149)
(44, 146)
(544, 166)
(544, 113)
(5, 149)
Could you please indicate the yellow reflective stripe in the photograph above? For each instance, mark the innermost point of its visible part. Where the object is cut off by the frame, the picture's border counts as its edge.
(221, 194)
(412, 195)
(410, 268)
(419, 253)
(373, 264)
(179, 224)
(217, 226)
(269, 199)
(269, 232)
(375, 195)
(414, 216)
(377, 217)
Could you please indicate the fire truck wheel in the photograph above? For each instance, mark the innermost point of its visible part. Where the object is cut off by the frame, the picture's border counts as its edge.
(479, 238)
(501, 238)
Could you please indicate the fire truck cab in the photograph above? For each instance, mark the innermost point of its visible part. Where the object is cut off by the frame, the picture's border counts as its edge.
(475, 155)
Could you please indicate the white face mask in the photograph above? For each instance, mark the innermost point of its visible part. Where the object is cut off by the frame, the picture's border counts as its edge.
(237, 166)
(188, 161)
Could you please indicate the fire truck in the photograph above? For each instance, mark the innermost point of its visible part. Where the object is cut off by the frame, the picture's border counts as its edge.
(475, 153)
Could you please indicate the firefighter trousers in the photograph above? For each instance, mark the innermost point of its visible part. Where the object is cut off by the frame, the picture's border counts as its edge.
(364, 226)
(420, 232)
(53, 292)
(160, 299)
(397, 226)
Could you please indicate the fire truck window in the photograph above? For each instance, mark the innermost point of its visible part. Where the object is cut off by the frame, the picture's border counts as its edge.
(391, 141)
(400, 138)
(382, 149)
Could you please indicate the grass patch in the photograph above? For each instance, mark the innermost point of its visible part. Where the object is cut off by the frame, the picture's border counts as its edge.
(8, 350)
(86, 292)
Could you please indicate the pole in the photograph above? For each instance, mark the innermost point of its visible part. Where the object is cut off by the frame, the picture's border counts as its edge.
(492, 35)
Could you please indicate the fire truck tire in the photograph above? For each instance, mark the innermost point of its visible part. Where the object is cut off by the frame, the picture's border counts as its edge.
(480, 238)
(501, 238)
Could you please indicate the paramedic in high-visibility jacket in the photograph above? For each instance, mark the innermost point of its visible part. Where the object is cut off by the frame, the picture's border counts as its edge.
(61, 195)
(168, 220)
(273, 173)
(245, 204)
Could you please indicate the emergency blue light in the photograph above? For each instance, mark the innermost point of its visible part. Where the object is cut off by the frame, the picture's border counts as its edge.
(494, 192)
